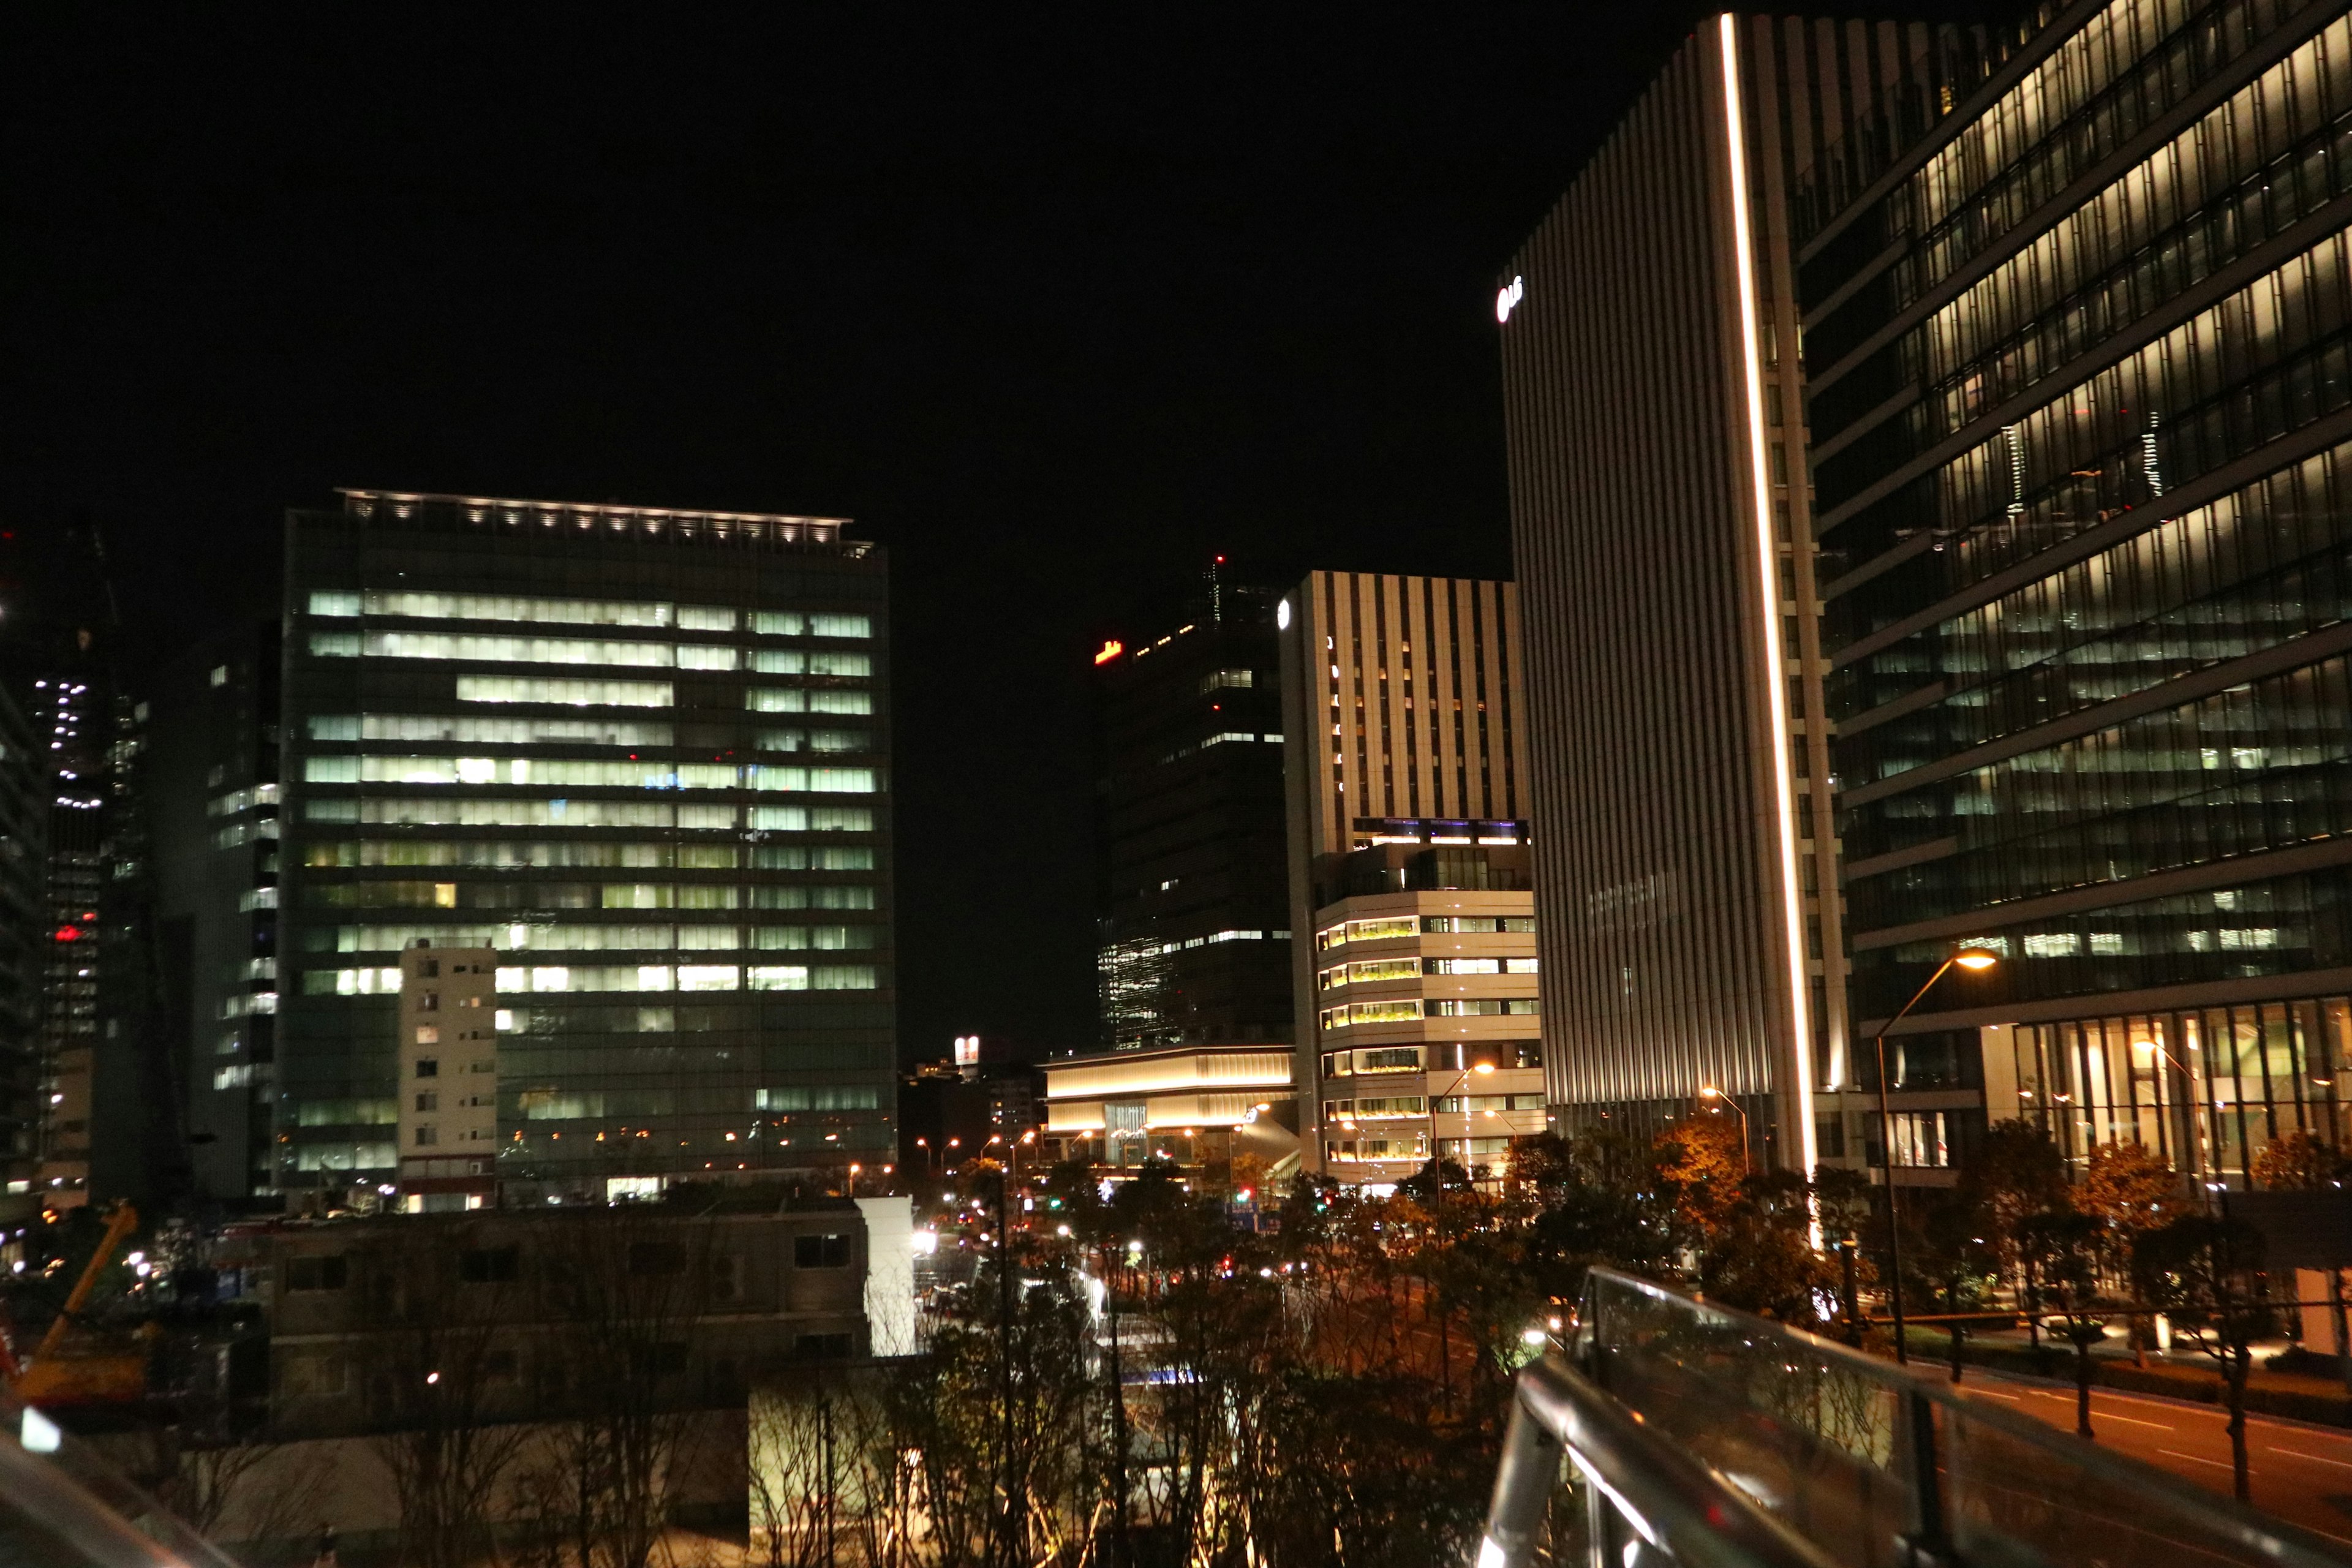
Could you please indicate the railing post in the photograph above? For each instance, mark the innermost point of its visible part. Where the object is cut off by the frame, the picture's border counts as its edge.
(1524, 1482)
(1925, 1544)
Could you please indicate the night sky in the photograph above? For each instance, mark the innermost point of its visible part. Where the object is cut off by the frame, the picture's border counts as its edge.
(1055, 306)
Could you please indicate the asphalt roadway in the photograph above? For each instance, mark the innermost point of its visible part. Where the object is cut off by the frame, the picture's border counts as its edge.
(2300, 1472)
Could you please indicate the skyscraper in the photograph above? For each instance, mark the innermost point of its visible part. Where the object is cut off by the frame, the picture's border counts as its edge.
(2079, 369)
(641, 752)
(1192, 908)
(1680, 772)
(1414, 967)
(216, 780)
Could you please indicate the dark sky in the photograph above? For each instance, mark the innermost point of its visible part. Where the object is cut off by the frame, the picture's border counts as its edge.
(1057, 304)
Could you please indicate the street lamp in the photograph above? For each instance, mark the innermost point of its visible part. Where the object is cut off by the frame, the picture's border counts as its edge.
(1437, 1153)
(2200, 1097)
(1708, 1091)
(1976, 959)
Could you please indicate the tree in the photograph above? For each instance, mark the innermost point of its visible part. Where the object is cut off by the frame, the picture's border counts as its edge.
(2066, 1248)
(621, 1298)
(2203, 1271)
(2300, 1163)
(1703, 1159)
(2129, 1192)
(437, 1356)
(1599, 1198)
(2017, 1173)
(1759, 1255)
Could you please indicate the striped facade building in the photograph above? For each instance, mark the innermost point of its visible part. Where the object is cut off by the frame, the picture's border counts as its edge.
(1405, 761)
(1924, 452)
(1662, 528)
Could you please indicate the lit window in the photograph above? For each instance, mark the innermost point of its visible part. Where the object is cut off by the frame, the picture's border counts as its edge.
(483, 649)
(564, 693)
(507, 607)
(840, 626)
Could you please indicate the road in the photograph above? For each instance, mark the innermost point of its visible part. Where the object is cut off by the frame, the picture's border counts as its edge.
(2299, 1472)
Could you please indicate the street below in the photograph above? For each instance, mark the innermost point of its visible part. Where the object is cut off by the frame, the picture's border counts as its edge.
(2300, 1473)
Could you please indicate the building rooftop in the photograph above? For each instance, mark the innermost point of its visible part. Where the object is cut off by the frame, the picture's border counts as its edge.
(610, 517)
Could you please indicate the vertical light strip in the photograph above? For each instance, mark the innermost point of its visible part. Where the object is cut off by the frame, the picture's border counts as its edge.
(1768, 589)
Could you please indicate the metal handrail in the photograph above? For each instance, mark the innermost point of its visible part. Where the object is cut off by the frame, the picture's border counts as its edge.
(2272, 1540)
(1665, 1497)
(63, 1499)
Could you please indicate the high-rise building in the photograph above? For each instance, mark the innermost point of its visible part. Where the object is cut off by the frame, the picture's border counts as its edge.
(110, 1096)
(1193, 910)
(215, 778)
(449, 1078)
(1679, 767)
(1413, 976)
(25, 939)
(2079, 370)
(643, 753)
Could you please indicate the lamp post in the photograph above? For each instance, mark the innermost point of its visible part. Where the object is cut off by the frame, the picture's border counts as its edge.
(1976, 959)
(1436, 1151)
(2197, 1147)
(1708, 1091)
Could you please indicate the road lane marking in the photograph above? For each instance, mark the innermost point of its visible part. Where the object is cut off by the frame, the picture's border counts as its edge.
(2099, 1414)
(2194, 1460)
(1988, 1393)
(2314, 1458)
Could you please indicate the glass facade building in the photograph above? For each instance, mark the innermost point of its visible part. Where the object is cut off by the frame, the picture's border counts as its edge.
(1191, 908)
(644, 754)
(2078, 368)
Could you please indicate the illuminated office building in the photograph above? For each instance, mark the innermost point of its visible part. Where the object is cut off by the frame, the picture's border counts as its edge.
(1403, 703)
(1192, 911)
(2079, 367)
(1679, 764)
(217, 863)
(641, 753)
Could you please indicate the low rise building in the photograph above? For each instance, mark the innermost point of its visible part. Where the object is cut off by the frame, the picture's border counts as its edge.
(721, 1290)
(449, 1078)
(1201, 1106)
(1426, 1019)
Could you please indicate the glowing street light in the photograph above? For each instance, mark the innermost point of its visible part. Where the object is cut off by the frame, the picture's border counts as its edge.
(1976, 959)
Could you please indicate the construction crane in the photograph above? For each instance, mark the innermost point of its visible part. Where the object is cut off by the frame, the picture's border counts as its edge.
(63, 1374)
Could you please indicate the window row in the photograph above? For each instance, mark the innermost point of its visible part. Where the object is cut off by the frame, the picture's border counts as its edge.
(799, 699)
(429, 606)
(556, 692)
(2267, 564)
(1373, 1110)
(545, 979)
(2122, 70)
(2258, 767)
(560, 772)
(429, 813)
(1388, 928)
(517, 938)
(1407, 1009)
(565, 854)
(505, 893)
(2196, 207)
(2287, 925)
(1413, 968)
(462, 729)
(2268, 360)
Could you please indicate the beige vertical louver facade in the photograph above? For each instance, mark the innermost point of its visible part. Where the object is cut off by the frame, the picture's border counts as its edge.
(1685, 873)
(1403, 714)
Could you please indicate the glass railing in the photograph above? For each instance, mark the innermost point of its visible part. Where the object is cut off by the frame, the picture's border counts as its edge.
(1878, 1469)
(61, 1506)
